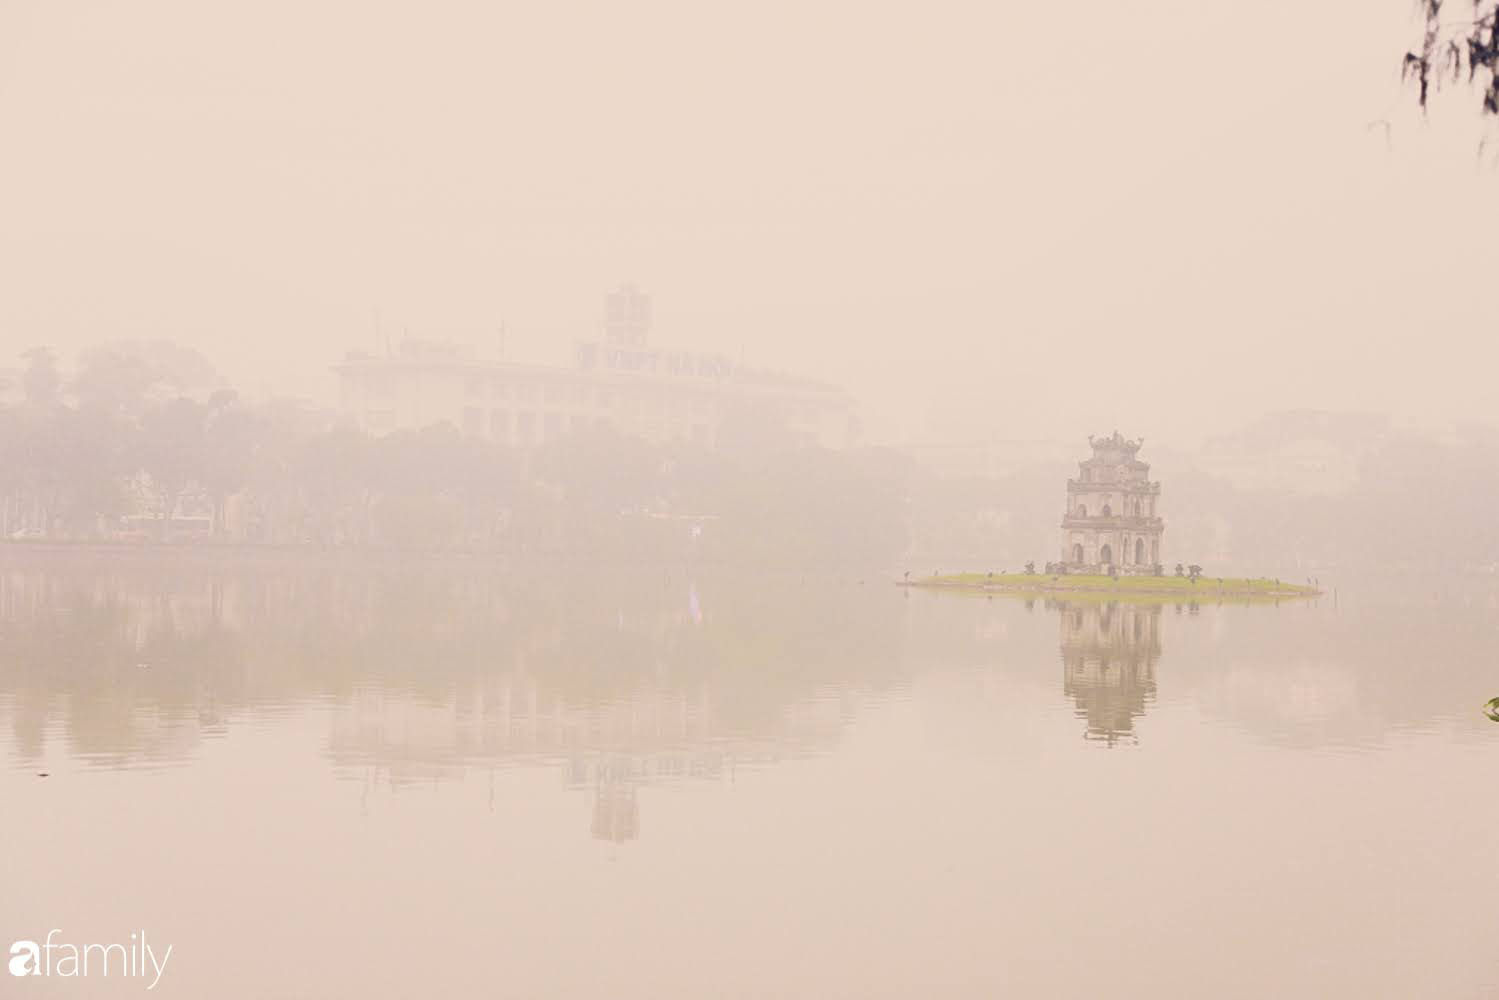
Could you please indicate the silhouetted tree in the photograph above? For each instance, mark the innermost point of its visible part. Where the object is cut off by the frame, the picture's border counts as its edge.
(115, 383)
(41, 382)
(1468, 44)
(173, 448)
(230, 433)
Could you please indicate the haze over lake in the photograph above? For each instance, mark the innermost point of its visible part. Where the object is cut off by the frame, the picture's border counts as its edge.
(791, 501)
(380, 777)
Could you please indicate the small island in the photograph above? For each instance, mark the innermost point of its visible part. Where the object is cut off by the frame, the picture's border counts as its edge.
(1111, 542)
(1181, 587)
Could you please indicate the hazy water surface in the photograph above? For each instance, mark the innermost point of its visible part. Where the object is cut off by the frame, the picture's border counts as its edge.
(387, 780)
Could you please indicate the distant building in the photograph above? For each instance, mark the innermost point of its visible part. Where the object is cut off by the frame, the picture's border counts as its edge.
(627, 317)
(1299, 451)
(620, 381)
(1111, 522)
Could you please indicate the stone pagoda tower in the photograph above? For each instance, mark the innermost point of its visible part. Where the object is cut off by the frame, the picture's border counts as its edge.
(1111, 521)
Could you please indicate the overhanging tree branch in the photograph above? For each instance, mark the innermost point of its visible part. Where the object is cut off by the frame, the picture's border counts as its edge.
(1450, 48)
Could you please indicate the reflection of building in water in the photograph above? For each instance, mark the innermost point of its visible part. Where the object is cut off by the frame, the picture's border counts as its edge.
(424, 676)
(1109, 653)
(616, 811)
(611, 746)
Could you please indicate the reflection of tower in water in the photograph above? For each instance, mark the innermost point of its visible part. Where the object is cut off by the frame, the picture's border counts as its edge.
(616, 811)
(1109, 653)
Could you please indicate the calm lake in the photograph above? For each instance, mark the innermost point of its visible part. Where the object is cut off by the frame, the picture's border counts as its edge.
(406, 779)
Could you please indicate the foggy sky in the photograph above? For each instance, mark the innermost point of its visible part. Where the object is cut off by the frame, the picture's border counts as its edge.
(1021, 220)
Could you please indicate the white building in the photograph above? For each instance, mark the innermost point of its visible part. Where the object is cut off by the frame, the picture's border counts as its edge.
(619, 381)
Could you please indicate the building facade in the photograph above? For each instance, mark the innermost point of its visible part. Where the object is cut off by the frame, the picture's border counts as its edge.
(619, 380)
(1111, 523)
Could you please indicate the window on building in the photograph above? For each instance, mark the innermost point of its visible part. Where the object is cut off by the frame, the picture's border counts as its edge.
(473, 420)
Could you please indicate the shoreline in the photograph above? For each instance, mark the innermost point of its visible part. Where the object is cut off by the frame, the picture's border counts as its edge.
(1127, 586)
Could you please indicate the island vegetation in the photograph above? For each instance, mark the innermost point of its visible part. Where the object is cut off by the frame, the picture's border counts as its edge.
(1184, 586)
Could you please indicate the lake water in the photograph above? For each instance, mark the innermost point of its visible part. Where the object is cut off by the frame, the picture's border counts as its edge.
(392, 781)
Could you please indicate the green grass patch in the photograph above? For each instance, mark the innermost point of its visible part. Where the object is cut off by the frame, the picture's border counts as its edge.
(1206, 587)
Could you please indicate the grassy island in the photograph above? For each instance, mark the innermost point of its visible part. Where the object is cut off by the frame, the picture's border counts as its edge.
(1204, 588)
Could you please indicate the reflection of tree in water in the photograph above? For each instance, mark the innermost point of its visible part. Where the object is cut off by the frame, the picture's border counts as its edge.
(133, 677)
(620, 681)
(1109, 654)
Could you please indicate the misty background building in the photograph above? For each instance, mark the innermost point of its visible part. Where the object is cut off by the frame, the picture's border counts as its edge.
(619, 380)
